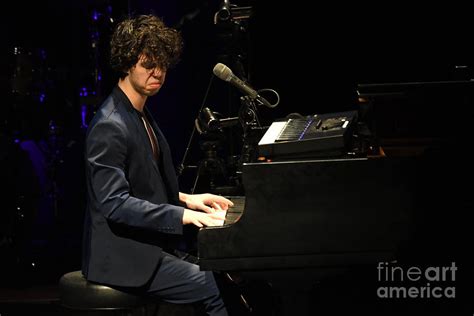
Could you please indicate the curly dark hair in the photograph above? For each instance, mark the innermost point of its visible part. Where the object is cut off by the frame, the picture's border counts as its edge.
(145, 35)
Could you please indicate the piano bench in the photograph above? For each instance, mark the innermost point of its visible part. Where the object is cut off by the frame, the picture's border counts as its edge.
(77, 296)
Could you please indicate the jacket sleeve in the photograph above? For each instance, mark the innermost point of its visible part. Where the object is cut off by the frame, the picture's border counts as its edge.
(106, 159)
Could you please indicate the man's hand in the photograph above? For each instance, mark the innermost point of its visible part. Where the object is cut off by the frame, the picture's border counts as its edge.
(206, 202)
(201, 219)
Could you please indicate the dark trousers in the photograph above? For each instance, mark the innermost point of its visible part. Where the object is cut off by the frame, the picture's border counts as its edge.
(182, 282)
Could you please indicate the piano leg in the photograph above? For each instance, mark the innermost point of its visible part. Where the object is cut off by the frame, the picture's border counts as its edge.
(244, 296)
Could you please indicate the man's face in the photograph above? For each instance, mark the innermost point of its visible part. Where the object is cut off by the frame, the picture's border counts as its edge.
(146, 79)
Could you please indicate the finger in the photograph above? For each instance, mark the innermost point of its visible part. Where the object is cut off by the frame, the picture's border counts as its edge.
(221, 205)
(208, 221)
(225, 206)
(214, 222)
(217, 207)
(226, 201)
(204, 208)
(208, 209)
(222, 201)
(218, 215)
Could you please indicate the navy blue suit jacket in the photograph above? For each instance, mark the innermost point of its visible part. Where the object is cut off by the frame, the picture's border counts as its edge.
(133, 207)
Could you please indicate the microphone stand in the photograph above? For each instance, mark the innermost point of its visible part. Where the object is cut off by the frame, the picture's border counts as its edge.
(252, 129)
(182, 166)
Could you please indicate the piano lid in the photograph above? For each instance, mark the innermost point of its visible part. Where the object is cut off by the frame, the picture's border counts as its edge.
(373, 90)
(428, 113)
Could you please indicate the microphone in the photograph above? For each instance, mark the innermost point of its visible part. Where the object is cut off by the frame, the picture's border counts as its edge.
(224, 73)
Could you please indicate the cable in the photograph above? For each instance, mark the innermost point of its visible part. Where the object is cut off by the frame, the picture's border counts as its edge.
(276, 94)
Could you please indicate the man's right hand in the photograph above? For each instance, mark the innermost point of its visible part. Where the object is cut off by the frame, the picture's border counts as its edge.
(201, 219)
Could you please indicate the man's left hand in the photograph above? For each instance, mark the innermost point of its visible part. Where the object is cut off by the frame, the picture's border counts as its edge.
(206, 202)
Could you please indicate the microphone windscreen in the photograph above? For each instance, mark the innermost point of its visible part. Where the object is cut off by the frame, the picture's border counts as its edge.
(223, 72)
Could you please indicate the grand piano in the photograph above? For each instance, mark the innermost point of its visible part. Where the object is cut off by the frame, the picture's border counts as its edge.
(306, 219)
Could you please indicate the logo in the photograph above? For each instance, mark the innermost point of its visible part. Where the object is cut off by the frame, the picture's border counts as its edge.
(416, 282)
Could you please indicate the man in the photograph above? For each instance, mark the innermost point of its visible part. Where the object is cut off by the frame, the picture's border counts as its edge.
(134, 213)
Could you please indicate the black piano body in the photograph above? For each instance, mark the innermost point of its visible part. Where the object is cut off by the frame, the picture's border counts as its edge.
(315, 213)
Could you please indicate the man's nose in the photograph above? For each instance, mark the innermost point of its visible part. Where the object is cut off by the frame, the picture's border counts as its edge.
(157, 72)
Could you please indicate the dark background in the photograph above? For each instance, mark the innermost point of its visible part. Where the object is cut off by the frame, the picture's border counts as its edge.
(53, 53)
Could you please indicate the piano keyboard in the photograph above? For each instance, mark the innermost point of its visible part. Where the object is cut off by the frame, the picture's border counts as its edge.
(234, 213)
(294, 129)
